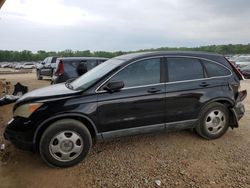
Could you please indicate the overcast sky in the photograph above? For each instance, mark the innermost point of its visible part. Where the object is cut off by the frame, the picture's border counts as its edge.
(114, 25)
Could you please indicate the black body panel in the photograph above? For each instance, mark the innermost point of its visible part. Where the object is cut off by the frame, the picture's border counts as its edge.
(155, 107)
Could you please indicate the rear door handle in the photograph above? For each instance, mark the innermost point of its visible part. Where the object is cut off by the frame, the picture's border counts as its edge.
(153, 90)
(204, 84)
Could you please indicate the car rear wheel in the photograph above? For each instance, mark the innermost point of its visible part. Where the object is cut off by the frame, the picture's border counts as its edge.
(38, 75)
(213, 121)
(65, 143)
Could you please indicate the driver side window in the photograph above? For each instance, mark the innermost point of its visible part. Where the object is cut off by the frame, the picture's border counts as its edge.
(145, 72)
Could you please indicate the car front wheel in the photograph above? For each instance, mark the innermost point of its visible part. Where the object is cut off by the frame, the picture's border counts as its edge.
(65, 143)
(213, 121)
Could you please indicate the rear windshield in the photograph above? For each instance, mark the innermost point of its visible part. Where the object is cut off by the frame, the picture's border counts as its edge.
(53, 59)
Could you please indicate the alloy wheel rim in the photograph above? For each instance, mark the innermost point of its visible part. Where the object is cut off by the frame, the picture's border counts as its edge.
(215, 122)
(66, 146)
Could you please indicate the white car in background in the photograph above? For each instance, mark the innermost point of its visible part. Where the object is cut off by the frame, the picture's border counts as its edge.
(28, 66)
(242, 61)
(18, 66)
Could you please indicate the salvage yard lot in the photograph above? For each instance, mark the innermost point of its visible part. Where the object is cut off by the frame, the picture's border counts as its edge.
(177, 159)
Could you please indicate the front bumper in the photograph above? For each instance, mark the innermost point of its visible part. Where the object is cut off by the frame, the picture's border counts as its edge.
(19, 134)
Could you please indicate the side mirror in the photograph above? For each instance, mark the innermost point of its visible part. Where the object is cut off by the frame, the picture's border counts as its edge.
(114, 86)
(43, 63)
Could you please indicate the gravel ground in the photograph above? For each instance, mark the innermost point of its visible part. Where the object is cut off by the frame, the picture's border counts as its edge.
(177, 159)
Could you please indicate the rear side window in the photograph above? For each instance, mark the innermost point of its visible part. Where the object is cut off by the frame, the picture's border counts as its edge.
(145, 72)
(214, 69)
(181, 69)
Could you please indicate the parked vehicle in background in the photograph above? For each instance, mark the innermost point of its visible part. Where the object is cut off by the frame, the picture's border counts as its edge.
(246, 71)
(127, 95)
(233, 58)
(27, 66)
(11, 65)
(6, 65)
(18, 66)
(242, 61)
(72, 67)
(229, 56)
(46, 67)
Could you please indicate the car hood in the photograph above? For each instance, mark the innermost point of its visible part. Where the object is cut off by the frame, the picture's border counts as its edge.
(57, 90)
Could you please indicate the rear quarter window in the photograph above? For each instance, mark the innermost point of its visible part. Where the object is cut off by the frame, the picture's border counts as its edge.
(215, 70)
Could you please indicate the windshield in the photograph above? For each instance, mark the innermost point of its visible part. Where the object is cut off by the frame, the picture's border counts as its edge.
(95, 74)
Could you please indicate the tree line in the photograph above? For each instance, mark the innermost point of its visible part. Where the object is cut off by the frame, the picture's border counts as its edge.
(26, 55)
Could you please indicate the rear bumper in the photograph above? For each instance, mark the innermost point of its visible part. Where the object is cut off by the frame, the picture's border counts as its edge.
(239, 110)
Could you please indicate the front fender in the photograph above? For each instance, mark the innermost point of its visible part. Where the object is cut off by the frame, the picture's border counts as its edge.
(42, 126)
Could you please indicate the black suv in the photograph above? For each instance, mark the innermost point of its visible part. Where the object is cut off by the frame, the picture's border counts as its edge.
(73, 67)
(127, 95)
(46, 67)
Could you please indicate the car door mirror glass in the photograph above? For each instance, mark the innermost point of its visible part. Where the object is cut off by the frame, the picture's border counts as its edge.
(114, 86)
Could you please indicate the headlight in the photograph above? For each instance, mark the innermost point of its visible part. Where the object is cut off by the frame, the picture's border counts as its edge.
(27, 109)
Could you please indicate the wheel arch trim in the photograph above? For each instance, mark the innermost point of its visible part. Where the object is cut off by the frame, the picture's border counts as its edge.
(234, 121)
(229, 100)
(60, 116)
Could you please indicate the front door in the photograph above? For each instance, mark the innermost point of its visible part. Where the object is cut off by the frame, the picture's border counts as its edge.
(140, 104)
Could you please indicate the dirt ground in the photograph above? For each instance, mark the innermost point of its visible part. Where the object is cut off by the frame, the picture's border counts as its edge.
(177, 159)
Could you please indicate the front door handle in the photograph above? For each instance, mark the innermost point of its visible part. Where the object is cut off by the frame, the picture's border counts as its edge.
(153, 90)
(204, 84)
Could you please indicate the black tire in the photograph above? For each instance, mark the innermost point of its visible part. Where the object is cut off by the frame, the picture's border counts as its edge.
(38, 75)
(205, 120)
(63, 127)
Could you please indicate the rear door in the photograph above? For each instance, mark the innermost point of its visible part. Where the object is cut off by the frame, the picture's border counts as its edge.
(185, 89)
(191, 83)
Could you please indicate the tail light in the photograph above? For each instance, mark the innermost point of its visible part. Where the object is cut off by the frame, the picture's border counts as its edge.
(60, 68)
(237, 72)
